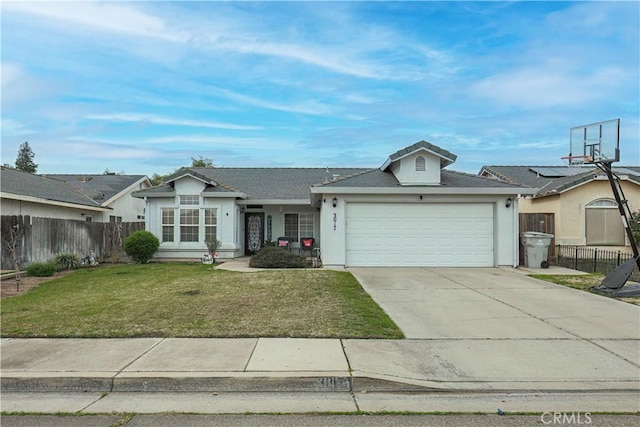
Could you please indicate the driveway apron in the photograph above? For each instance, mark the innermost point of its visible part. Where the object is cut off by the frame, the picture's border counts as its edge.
(494, 303)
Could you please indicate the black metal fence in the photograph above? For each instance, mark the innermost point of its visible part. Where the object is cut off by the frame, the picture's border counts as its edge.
(593, 260)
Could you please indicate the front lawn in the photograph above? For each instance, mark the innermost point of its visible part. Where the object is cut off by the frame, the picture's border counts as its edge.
(194, 300)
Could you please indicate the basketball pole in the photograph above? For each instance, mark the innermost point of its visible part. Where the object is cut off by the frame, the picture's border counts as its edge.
(606, 167)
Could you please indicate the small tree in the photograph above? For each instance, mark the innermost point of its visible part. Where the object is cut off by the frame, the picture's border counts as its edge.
(201, 163)
(24, 161)
(141, 245)
(212, 246)
(634, 225)
(157, 179)
(13, 245)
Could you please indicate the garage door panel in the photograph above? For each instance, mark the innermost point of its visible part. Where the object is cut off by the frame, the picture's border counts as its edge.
(387, 234)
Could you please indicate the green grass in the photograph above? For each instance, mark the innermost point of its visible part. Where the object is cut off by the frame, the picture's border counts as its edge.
(579, 281)
(583, 282)
(194, 300)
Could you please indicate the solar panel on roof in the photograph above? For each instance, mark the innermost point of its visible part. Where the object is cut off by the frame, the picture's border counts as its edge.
(559, 171)
(626, 171)
(547, 172)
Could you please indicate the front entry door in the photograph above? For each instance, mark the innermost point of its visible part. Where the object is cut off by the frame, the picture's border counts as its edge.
(253, 232)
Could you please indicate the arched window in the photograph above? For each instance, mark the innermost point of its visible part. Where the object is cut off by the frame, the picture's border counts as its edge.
(420, 164)
(603, 223)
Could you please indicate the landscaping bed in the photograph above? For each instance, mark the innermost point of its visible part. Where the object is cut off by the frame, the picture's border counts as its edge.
(195, 300)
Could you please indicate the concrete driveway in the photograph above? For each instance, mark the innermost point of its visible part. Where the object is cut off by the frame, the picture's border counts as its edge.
(496, 303)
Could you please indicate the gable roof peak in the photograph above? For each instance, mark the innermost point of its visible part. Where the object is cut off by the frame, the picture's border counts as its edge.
(446, 157)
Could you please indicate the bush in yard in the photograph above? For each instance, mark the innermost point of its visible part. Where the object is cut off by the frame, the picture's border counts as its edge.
(273, 257)
(67, 262)
(42, 269)
(634, 224)
(141, 245)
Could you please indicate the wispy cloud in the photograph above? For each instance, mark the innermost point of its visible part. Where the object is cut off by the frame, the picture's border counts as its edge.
(306, 107)
(151, 84)
(218, 141)
(111, 17)
(547, 87)
(167, 121)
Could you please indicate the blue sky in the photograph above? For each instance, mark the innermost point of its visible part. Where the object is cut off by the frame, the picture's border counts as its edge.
(142, 87)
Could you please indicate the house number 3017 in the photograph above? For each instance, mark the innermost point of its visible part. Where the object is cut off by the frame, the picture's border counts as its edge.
(335, 221)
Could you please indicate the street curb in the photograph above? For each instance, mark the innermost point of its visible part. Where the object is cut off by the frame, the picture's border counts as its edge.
(292, 384)
(205, 384)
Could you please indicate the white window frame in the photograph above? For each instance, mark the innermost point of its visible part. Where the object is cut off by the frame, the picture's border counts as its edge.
(298, 227)
(168, 225)
(190, 222)
(213, 225)
(421, 164)
(184, 224)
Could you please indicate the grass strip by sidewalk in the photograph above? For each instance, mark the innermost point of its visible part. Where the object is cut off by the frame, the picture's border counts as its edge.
(583, 282)
(194, 300)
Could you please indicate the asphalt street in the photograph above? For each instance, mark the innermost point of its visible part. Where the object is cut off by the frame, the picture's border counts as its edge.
(389, 420)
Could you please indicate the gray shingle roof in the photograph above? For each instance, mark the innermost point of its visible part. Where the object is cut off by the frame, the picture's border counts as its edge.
(451, 179)
(26, 184)
(429, 146)
(99, 187)
(551, 183)
(262, 183)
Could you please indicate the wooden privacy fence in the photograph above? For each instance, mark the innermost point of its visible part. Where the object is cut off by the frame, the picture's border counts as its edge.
(540, 222)
(593, 260)
(42, 239)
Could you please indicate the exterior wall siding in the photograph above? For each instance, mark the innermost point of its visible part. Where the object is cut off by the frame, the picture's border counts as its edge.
(19, 207)
(569, 209)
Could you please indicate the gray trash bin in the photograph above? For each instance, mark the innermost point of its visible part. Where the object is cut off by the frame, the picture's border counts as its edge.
(536, 248)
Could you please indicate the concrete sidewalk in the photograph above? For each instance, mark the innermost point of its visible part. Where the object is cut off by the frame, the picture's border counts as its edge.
(320, 365)
(483, 335)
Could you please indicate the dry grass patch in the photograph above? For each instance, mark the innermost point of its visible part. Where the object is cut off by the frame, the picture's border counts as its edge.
(194, 300)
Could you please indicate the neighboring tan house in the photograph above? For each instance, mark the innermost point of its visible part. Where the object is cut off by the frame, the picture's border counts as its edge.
(99, 198)
(409, 212)
(575, 204)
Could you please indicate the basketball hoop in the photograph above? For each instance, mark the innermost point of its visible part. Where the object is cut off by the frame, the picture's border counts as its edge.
(576, 161)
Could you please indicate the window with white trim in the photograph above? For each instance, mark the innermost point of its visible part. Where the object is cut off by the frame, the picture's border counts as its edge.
(603, 223)
(306, 224)
(189, 200)
(210, 225)
(297, 225)
(167, 224)
(189, 225)
(421, 164)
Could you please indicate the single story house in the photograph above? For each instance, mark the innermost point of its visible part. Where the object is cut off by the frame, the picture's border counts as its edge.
(99, 198)
(411, 211)
(576, 204)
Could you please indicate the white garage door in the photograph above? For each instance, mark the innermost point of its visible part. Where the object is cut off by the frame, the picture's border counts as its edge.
(426, 235)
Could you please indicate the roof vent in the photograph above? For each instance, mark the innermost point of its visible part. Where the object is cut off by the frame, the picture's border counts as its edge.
(334, 176)
(84, 178)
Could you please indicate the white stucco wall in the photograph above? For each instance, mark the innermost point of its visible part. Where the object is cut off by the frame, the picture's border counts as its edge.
(20, 207)
(333, 233)
(405, 169)
(227, 223)
(127, 207)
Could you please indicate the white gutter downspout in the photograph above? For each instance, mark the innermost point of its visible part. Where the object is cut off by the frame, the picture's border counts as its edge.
(516, 235)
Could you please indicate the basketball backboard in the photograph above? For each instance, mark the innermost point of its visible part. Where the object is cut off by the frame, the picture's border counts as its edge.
(597, 142)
